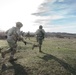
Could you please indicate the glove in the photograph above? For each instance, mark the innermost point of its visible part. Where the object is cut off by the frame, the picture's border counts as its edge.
(6, 36)
(25, 42)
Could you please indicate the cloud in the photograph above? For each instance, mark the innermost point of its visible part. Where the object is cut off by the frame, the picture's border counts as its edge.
(59, 28)
(18, 10)
(50, 13)
(61, 0)
(59, 12)
(45, 20)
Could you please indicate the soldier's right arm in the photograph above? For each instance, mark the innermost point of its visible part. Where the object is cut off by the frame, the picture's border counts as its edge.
(43, 31)
(36, 32)
(7, 31)
(21, 37)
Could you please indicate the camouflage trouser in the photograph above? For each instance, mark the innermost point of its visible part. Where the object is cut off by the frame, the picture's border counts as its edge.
(13, 46)
(39, 40)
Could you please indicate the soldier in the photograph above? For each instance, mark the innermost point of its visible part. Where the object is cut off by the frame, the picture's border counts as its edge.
(28, 35)
(40, 33)
(13, 34)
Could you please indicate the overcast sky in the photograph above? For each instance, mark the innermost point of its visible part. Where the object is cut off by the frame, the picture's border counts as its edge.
(12, 11)
(54, 15)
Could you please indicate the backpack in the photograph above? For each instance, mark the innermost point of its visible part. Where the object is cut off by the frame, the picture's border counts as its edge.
(40, 34)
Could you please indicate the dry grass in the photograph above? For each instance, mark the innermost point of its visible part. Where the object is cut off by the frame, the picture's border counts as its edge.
(58, 58)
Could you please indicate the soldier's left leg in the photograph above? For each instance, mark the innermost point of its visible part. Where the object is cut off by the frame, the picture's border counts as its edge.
(40, 45)
(13, 51)
(5, 52)
(13, 45)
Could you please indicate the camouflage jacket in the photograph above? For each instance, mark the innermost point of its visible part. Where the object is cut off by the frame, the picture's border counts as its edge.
(13, 33)
(40, 33)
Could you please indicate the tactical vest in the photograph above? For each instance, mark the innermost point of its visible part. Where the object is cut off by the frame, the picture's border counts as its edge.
(40, 34)
(12, 33)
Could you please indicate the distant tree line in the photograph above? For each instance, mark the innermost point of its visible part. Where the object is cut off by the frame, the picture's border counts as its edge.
(25, 34)
(2, 35)
(60, 35)
(48, 34)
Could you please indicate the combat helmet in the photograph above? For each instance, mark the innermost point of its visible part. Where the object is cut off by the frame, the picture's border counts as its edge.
(40, 27)
(19, 24)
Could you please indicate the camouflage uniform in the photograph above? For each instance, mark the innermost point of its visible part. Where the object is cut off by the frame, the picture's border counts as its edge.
(40, 33)
(28, 35)
(13, 34)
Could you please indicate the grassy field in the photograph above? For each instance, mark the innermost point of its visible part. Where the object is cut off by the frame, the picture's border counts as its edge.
(58, 58)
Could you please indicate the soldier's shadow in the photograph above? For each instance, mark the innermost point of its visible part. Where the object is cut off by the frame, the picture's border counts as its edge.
(18, 69)
(68, 67)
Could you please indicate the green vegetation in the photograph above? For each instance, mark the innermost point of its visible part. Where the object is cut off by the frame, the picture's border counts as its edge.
(58, 58)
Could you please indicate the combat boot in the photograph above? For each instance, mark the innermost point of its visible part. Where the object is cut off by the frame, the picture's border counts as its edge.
(40, 49)
(34, 46)
(3, 54)
(13, 59)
